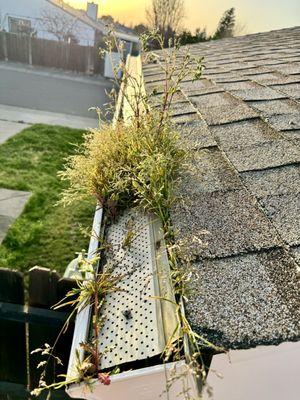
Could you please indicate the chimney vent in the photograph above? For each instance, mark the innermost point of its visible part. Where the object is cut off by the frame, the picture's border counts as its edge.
(92, 10)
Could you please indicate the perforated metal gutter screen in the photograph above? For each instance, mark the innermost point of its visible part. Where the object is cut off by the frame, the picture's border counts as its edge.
(137, 323)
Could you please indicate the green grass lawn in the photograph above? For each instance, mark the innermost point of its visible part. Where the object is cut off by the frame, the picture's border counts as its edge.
(45, 234)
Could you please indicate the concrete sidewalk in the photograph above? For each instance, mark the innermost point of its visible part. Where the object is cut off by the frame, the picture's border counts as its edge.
(12, 203)
(9, 129)
(13, 118)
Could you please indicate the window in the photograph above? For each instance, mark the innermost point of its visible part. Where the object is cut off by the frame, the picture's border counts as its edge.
(19, 25)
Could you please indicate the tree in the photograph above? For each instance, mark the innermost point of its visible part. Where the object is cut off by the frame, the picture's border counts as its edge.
(201, 35)
(166, 17)
(226, 25)
(186, 37)
(59, 24)
(107, 19)
(240, 29)
(140, 29)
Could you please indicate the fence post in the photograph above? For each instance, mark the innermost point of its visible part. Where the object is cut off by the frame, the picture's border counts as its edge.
(45, 290)
(90, 67)
(29, 50)
(5, 52)
(42, 288)
(13, 365)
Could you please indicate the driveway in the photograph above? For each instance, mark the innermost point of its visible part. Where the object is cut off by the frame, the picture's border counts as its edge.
(51, 90)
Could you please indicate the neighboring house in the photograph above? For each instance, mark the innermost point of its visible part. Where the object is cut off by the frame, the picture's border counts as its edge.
(31, 16)
(56, 20)
(242, 124)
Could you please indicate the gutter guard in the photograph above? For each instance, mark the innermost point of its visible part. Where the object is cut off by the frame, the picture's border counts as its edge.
(138, 323)
(136, 328)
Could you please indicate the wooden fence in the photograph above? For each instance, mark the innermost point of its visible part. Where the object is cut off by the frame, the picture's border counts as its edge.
(27, 322)
(50, 53)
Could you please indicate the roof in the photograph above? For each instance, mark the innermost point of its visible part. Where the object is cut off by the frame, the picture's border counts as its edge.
(238, 208)
(97, 25)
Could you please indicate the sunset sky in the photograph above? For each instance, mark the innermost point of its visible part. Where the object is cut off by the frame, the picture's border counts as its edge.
(256, 15)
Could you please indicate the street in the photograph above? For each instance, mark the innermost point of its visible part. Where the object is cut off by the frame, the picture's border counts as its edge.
(51, 90)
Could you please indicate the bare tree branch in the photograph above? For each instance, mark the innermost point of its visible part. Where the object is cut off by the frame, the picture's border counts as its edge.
(166, 16)
(59, 24)
(240, 29)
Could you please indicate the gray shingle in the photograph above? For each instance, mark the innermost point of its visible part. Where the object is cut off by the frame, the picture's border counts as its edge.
(296, 253)
(262, 93)
(196, 135)
(277, 181)
(158, 99)
(243, 133)
(243, 301)
(282, 80)
(208, 171)
(265, 155)
(184, 118)
(240, 66)
(196, 85)
(273, 107)
(285, 121)
(271, 63)
(291, 89)
(218, 108)
(290, 68)
(292, 134)
(284, 213)
(226, 114)
(155, 86)
(257, 70)
(210, 90)
(241, 85)
(232, 219)
(181, 108)
(226, 78)
(158, 77)
(266, 78)
(213, 100)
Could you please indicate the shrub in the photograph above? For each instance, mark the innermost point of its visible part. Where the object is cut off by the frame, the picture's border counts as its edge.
(124, 165)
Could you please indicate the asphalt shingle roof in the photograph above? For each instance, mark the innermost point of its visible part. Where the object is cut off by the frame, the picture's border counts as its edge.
(238, 212)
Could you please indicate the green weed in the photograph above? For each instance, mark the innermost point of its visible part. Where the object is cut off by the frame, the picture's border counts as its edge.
(127, 165)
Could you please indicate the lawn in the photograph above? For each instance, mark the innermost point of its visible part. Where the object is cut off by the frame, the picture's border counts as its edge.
(45, 234)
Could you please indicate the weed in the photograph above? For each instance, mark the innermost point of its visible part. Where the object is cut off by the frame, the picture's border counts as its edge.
(127, 165)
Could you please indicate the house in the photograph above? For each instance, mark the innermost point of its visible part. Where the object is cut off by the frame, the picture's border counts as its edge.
(56, 20)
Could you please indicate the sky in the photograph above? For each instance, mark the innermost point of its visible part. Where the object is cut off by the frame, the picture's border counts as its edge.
(254, 15)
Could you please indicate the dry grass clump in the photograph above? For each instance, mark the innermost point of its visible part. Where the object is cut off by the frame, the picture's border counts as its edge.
(126, 165)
